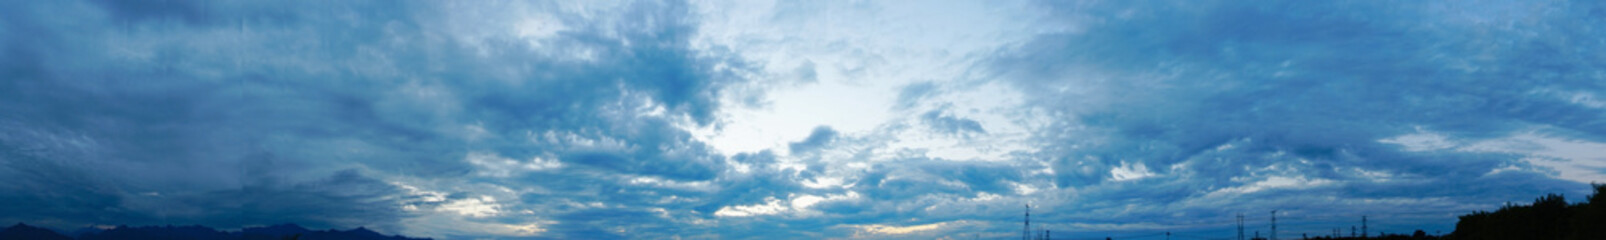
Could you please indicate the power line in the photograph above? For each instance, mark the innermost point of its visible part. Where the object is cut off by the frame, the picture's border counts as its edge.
(1309, 224)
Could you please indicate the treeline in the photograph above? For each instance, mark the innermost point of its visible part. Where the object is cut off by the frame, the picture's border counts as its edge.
(1418, 235)
(1550, 217)
(276, 232)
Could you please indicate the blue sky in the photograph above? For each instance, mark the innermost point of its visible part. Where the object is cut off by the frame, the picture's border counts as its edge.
(795, 119)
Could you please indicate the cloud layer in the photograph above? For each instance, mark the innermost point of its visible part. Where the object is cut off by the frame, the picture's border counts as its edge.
(793, 119)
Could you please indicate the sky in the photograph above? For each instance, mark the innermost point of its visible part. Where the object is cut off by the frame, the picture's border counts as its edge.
(796, 119)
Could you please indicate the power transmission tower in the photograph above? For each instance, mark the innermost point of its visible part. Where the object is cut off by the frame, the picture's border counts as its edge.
(1273, 224)
(1026, 231)
(1240, 226)
(1363, 226)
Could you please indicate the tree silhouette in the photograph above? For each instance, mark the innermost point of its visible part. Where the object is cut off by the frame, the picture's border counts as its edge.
(1589, 218)
(1549, 217)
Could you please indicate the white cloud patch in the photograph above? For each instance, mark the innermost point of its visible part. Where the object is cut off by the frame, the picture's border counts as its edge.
(823, 182)
(852, 60)
(440, 225)
(700, 186)
(1421, 141)
(1024, 188)
(802, 202)
(884, 230)
(1130, 171)
(482, 206)
(1573, 160)
(797, 205)
(771, 206)
(493, 165)
(1273, 183)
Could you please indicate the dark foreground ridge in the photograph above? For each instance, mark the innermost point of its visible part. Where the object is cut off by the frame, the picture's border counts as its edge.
(275, 232)
(1550, 217)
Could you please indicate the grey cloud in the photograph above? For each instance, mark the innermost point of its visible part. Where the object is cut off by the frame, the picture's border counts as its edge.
(806, 72)
(354, 199)
(942, 122)
(911, 95)
(240, 113)
(236, 105)
(820, 137)
(1311, 87)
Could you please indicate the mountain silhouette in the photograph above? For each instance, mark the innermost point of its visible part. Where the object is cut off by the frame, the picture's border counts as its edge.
(164, 232)
(274, 232)
(197, 232)
(23, 231)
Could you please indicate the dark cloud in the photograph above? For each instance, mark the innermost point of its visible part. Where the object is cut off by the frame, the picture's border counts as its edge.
(913, 178)
(1211, 91)
(240, 113)
(942, 122)
(1140, 114)
(200, 13)
(820, 137)
(356, 199)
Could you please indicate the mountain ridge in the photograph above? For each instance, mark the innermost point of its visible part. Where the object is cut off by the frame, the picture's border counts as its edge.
(22, 231)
